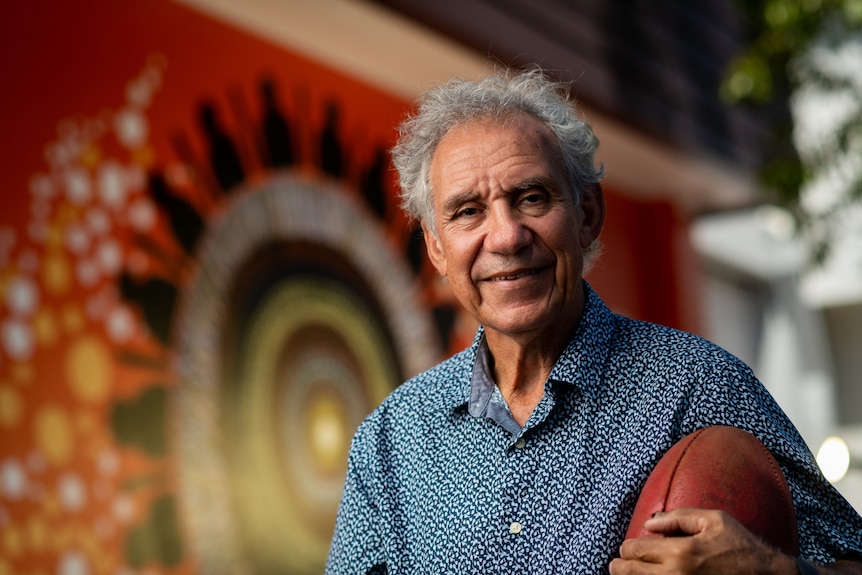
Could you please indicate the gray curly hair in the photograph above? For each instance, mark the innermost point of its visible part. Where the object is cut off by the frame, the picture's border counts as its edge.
(460, 101)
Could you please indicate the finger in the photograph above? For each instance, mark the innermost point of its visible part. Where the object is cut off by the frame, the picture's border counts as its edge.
(626, 567)
(682, 520)
(644, 549)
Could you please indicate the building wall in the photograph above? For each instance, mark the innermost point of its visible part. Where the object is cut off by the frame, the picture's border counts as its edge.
(206, 284)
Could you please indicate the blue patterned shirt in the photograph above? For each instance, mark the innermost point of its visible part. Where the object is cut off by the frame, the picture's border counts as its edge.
(436, 485)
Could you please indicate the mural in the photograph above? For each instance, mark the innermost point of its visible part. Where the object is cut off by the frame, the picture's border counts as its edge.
(206, 286)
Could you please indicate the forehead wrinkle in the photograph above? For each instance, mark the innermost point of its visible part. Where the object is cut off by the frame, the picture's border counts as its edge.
(473, 165)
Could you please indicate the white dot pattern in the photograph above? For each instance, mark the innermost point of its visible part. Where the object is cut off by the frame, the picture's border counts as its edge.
(433, 489)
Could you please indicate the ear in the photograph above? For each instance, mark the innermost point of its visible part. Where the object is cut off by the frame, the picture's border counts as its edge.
(434, 246)
(593, 208)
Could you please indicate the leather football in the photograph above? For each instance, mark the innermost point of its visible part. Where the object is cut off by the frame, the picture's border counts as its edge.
(722, 468)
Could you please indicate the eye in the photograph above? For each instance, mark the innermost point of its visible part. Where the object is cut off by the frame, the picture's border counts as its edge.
(466, 212)
(533, 198)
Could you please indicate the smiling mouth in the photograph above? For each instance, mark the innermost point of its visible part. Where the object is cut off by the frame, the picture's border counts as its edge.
(513, 275)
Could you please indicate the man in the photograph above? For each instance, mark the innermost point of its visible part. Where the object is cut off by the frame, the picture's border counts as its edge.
(525, 453)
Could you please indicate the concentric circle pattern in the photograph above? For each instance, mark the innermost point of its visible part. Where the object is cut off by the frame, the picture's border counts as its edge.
(300, 320)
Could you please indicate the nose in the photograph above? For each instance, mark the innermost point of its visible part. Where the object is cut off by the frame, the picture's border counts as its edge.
(506, 233)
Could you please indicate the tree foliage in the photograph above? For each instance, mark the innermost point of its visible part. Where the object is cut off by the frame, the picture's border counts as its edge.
(810, 52)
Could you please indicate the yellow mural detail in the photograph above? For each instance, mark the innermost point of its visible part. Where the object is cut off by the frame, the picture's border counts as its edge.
(72, 318)
(5, 568)
(53, 434)
(101, 563)
(11, 407)
(51, 507)
(38, 534)
(12, 541)
(91, 156)
(326, 426)
(54, 237)
(56, 273)
(45, 327)
(88, 369)
(84, 542)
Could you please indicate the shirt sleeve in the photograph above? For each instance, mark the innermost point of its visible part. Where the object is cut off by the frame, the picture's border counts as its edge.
(829, 527)
(357, 544)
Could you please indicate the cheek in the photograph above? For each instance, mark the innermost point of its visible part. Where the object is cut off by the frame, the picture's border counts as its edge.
(460, 266)
(570, 260)
(461, 254)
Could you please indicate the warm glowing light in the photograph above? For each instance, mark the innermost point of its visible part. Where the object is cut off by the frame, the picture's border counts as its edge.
(328, 436)
(834, 459)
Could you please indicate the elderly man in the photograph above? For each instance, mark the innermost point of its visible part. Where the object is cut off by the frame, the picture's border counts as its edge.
(525, 453)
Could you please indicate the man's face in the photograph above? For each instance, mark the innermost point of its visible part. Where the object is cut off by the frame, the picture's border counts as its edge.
(508, 234)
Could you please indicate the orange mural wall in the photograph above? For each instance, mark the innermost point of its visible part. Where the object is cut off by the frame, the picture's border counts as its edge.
(206, 284)
(130, 129)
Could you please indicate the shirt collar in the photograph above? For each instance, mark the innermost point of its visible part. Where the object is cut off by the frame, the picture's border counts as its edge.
(481, 383)
(583, 360)
(580, 364)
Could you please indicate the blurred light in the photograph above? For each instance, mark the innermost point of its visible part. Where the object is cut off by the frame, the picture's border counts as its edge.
(833, 457)
(777, 222)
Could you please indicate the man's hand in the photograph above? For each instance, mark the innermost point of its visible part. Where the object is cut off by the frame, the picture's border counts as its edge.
(713, 542)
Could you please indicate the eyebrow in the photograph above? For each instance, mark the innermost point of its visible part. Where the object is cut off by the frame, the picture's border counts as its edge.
(452, 203)
(537, 182)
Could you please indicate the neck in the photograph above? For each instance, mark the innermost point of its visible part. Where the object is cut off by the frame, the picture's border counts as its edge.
(521, 364)
(521, 375)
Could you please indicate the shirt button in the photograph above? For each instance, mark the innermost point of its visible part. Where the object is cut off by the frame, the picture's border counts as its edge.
(521, 443)
(515, 527)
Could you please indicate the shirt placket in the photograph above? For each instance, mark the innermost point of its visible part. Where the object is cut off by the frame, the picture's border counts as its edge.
(516, 522)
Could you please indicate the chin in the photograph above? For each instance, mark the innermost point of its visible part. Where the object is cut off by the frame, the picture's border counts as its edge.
(522, 324)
